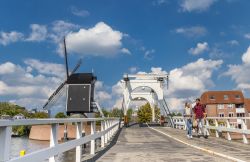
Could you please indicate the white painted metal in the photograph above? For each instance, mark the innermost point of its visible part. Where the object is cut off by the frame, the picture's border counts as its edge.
(244, 136)
(5, 143)
(143, 80)
(92, 143)
(106, 135)
(244, 130)
(53, 139)
(217, 130)
(55, 148)
(228, 133)
(102, 137)
(78, 136)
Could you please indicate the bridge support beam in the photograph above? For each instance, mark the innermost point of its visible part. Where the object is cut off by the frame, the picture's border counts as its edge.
(53, 139)
(102, 137)
(5, 143)
(78, 136)
(92, 142)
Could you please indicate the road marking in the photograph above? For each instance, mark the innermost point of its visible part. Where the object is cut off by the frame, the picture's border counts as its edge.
(199, 148)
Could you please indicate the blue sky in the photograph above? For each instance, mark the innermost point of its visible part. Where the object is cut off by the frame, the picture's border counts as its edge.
(203, 45)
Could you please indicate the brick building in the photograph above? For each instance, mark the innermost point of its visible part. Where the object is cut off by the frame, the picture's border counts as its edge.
(226, 104)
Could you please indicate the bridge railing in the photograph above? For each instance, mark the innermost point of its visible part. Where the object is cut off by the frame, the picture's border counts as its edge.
(109, 126)
(229, 125)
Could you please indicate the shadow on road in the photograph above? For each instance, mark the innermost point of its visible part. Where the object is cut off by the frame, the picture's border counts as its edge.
(102, 152)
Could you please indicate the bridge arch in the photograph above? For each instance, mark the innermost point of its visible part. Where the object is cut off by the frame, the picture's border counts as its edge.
(153, 82)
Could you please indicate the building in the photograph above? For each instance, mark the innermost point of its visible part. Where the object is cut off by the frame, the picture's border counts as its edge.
(19, 116)
(226, 104)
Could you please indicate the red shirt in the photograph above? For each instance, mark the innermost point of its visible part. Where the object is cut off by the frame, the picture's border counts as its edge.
(199, 109)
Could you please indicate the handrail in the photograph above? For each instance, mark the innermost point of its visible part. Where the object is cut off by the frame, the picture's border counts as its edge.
(243, 130)
(17, 122)
(109, 126)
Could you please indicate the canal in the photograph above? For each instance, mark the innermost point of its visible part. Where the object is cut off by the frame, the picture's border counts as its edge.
(24, 143)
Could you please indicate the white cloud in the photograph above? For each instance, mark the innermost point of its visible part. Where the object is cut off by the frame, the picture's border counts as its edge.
(149, 54)
(100, 40)
(60, 29)
(233, 42)
(193, 31)
(81, 13)
(200, 48)
(11, 37)
(21, 85)
(133, 69)
(247, 35)
(186, 82)
(246, 56)
(125, 51)
(159, 2)
(238, 73)
(46, 67)
(7, 68)
(39, 33)
(196, 5)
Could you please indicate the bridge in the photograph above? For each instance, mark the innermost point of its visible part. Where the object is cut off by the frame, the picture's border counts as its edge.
(114, 142)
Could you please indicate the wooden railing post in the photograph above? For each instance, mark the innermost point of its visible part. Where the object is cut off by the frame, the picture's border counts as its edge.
(5, 143)
(92, 143)
(78, 136)
(53, 139)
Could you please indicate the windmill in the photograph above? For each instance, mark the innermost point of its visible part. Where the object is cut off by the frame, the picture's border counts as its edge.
(79, 90)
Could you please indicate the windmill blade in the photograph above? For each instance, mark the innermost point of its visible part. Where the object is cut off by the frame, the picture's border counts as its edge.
(66, 58)
(77, 66)
(54, 94)
(59, 89)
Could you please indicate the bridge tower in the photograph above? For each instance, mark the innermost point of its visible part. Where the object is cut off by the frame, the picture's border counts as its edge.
(146, 86)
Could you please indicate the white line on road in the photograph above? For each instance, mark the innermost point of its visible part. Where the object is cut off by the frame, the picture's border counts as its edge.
(200, 148)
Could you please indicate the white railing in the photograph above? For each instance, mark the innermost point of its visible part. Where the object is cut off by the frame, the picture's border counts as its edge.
(109, 126)
(179, 122)
(213, 123)
(244, 131)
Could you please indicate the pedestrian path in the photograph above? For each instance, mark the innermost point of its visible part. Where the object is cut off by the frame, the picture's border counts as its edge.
(145, 144)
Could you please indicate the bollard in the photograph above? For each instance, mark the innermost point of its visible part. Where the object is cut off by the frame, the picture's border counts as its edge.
(22, 153)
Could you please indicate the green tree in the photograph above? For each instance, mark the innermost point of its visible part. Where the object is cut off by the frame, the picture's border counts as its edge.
(157, 113)
(129, 114)
(116, 112)
(40, 115)
(144, 113)
(60, 115)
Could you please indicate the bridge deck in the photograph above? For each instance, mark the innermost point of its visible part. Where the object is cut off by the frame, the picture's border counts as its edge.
(146, 144)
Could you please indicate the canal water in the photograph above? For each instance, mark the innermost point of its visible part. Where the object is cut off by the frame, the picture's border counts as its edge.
(24, 143)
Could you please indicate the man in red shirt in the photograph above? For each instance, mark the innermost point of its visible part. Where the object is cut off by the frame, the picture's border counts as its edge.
(200, 113)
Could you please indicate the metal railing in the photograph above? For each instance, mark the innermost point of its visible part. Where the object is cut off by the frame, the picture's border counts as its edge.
(109, 127)
(214, 123)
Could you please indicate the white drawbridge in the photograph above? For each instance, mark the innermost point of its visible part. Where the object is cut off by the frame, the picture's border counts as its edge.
(149, 87)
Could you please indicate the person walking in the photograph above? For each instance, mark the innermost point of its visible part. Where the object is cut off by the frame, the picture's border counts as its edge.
(200, 114)
(188, 119)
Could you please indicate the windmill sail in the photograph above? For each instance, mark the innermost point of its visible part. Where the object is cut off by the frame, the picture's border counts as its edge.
(53, 98)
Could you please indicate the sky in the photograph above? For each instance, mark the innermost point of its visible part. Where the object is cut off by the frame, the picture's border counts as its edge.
(203, 45)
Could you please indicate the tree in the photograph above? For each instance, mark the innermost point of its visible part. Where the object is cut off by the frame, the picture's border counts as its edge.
(144, 113)
(60, 115)
(129, 114)
(40, 115)
(157, 113)
(116, 112)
